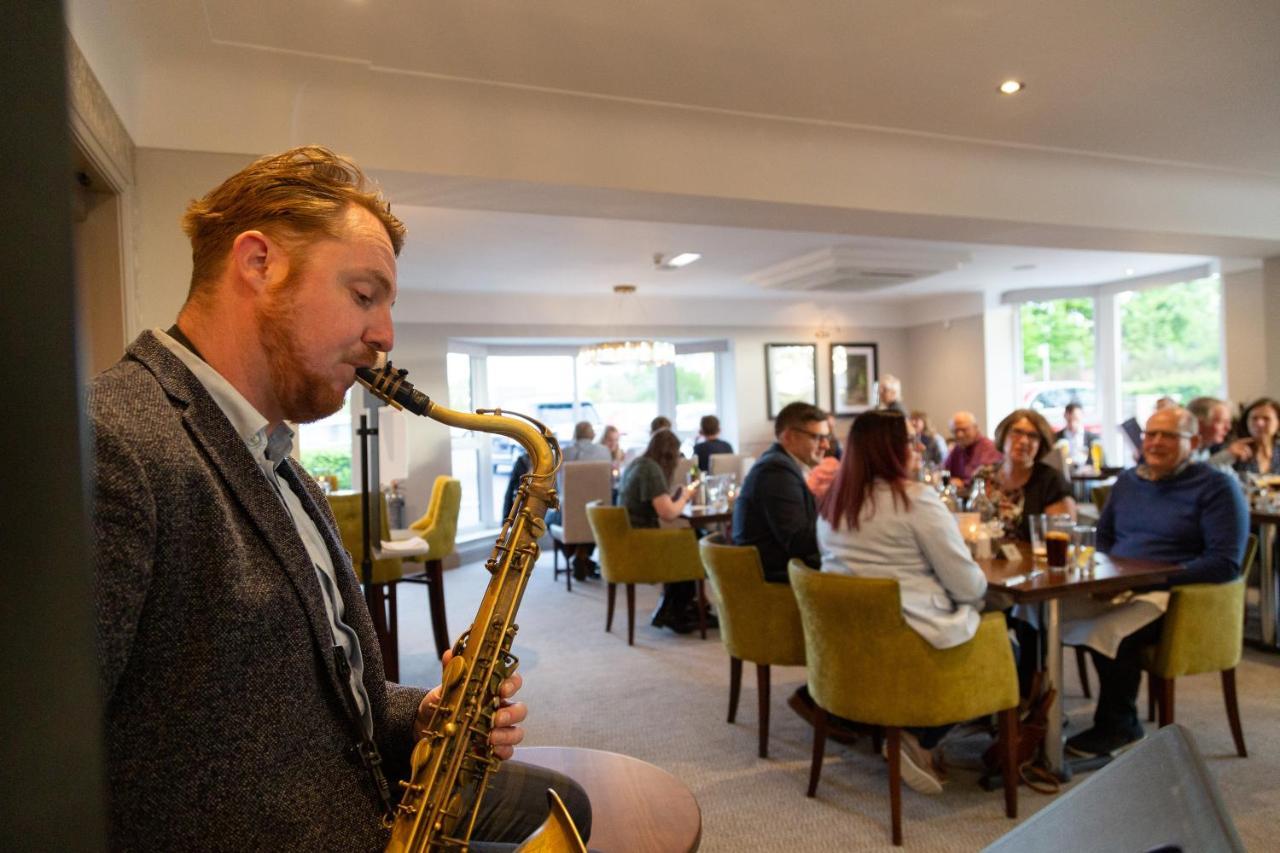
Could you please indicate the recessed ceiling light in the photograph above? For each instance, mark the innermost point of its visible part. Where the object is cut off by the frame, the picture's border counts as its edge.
(1128, 271)
(674, 263)
(1011, 87)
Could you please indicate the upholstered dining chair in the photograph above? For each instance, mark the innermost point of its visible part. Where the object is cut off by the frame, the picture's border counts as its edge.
(439, 528)
(866, 664)
(759, 621)
(631, 555)
(732, 463)
(1203, 632)
(583, 482)
(380, 589)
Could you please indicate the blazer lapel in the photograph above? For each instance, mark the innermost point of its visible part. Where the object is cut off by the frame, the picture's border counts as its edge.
(257, 498)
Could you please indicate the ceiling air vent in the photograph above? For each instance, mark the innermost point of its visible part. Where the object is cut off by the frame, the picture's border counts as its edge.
(853, 269)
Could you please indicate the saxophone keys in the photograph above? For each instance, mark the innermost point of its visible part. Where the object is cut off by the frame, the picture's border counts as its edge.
(454, 671)
(421, 754)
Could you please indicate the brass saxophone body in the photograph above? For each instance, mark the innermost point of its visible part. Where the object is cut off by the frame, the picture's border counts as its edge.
(452, 763)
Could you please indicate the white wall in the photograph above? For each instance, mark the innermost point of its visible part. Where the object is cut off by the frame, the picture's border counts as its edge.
(166, 182)
(1244, 320)
(948, 369)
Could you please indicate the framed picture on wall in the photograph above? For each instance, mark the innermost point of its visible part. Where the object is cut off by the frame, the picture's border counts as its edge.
(790, 374)
(854, 372)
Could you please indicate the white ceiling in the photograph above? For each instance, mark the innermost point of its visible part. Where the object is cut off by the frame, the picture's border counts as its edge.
(496, 251)
(1192, 82)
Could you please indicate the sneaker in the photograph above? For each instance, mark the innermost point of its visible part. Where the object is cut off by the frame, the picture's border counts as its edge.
(1096, 742)
(916, 765)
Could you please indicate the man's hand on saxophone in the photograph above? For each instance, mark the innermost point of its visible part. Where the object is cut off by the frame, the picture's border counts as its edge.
(506, 734)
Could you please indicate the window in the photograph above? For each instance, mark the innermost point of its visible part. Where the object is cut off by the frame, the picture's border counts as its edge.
(325, 445)
(525, 384)
(1117, 352)
(625, 396)
(1170, 345)
(559, 390)
(1058, 359)
(464, 445)
(695, 374)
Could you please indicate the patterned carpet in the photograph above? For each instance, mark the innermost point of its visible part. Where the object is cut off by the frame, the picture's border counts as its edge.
(665, 699)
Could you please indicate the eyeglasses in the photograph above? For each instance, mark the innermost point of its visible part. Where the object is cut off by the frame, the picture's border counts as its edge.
(816, 436)
(1154, 434)
(1028, 434)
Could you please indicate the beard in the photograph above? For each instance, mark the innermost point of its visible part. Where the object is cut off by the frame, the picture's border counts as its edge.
(304, 394)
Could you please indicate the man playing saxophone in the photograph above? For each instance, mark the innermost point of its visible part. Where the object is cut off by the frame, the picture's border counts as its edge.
(245, 701)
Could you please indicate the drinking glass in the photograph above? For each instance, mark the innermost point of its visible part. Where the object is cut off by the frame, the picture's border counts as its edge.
(715, 486)
(1037, 525)
(1057, 540)
(1084, 538)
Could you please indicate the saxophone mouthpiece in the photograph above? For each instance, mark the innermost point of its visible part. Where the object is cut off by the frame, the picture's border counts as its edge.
(388, 384)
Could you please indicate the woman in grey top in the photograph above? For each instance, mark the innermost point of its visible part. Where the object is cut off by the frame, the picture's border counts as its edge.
(644, 494)
(875, 521)
(932, 446)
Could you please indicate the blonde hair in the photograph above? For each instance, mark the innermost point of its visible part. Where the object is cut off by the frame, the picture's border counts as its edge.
(295, 197)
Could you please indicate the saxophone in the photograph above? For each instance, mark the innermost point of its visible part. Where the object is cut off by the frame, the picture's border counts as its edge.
(452, 763)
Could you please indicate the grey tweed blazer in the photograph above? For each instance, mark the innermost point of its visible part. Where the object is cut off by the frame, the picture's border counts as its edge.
(226, 725)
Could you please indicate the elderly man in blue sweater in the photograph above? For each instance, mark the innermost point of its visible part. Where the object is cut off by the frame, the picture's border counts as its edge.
(1170, 509)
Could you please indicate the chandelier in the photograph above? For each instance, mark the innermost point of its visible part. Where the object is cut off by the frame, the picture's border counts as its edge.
(623, 351)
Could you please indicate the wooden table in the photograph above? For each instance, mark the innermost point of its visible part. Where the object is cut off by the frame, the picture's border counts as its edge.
(705, 517)
(1268, 607)
(635, 807)
(1027, 584)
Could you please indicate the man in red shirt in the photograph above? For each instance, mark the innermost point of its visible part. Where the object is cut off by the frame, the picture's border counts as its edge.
(972, 450)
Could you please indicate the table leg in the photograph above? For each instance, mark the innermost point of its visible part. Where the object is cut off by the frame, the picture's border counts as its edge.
(1267, 609)
(1053, 663)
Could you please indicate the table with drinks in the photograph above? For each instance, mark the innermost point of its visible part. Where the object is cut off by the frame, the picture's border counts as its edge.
(1262, 491)
(711, 500)
(1062, 562)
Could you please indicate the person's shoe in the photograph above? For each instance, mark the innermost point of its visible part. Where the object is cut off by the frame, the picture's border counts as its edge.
(691, 616)
(1096, 742)
(663, 618)
(916, 765)
(583, 568)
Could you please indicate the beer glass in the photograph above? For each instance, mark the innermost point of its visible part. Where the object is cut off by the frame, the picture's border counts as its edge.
(1057, 541)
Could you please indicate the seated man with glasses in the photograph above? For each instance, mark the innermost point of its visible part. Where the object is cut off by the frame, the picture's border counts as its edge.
(1168, 509)
(775, 510)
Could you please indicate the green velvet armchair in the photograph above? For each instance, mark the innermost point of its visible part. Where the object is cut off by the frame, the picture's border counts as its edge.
(1203, 632)
(632, 555)
(759, 621)
(866, 664)
(439, 528)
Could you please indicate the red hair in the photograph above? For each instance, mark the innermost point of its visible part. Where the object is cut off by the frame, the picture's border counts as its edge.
(877, 449)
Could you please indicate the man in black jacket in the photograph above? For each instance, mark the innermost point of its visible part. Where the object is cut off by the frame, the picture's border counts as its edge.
(775, 510)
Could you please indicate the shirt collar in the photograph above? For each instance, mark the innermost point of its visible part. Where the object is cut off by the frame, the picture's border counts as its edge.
(804, 469)
(247, 421)
(1144, 470)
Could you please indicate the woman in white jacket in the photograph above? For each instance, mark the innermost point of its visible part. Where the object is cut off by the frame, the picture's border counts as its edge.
(875, 521)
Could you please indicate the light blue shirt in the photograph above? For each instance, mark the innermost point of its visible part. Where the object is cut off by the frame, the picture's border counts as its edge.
(270, 451)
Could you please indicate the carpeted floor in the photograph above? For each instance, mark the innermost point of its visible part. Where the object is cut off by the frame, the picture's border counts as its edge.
(664, 700)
